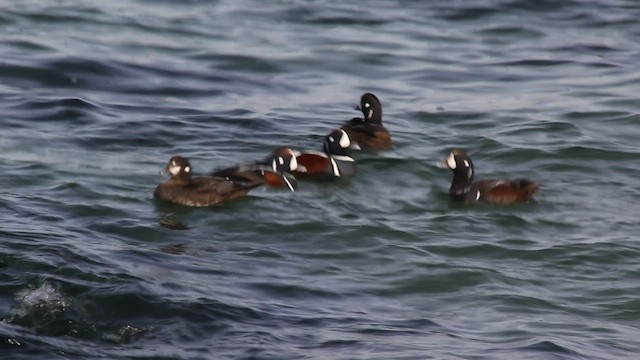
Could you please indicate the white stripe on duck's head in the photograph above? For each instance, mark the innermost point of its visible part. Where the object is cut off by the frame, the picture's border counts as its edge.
(284, 160)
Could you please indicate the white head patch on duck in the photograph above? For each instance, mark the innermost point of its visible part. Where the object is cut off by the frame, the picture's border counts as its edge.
(345, 142)
(451, 161)
(293, 164)
(174, 169)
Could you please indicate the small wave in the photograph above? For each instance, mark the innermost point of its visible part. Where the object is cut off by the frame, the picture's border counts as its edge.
(34, 74)
(541, 5)
(468, 13)
(240, 62)
(533, 63)
(293, 291)
(48, 311)
(332, 17)
(515, 32)
(41, 308)
(28, 45)
(549, 346)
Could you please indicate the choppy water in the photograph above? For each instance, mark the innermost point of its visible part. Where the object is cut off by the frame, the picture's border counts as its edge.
(95, 96)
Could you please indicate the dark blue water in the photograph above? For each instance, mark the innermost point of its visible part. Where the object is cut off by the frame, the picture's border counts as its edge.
(95, 96)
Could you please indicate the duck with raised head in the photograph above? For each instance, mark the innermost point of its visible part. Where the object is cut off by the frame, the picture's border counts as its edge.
(368, 131)
(496, 192)
(333, 162)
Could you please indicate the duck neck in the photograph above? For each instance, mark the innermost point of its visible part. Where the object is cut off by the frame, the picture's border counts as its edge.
(376, 117)
(460, 185)
(182, 179)
(332, 150)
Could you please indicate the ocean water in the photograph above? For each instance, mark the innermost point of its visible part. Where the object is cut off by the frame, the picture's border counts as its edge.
(95, 96)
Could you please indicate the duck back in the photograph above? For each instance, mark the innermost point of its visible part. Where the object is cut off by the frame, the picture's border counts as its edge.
(202, 191)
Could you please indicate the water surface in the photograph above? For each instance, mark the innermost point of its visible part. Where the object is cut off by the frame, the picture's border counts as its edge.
(96, 96)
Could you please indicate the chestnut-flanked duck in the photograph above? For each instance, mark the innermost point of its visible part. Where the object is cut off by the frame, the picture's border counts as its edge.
(333, 162)
(497, 192)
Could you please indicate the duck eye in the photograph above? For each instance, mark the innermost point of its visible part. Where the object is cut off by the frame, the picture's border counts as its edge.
(280, 160)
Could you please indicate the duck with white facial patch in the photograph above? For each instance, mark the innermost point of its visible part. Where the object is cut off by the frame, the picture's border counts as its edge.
(185, 189)
(333, 162)
(368, 132)
(496, 192)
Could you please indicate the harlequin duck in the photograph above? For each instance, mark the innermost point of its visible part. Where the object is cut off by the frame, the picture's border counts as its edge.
(368, 132)
(184, 189)
(275, 171)
(497, 192)
(333, 162)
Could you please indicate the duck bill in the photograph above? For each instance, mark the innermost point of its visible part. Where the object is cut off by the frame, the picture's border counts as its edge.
(442, 164)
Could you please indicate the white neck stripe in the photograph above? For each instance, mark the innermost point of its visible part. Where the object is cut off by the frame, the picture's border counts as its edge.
(288, 183)
(334, 166)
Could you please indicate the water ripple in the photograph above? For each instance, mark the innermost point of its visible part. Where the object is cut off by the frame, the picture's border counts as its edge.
(95, 99)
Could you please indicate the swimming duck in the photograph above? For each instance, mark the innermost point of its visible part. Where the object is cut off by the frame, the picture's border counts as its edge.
(185, 189)
(333, 162)
(368, 131)
(497, 192)
(228, 184)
